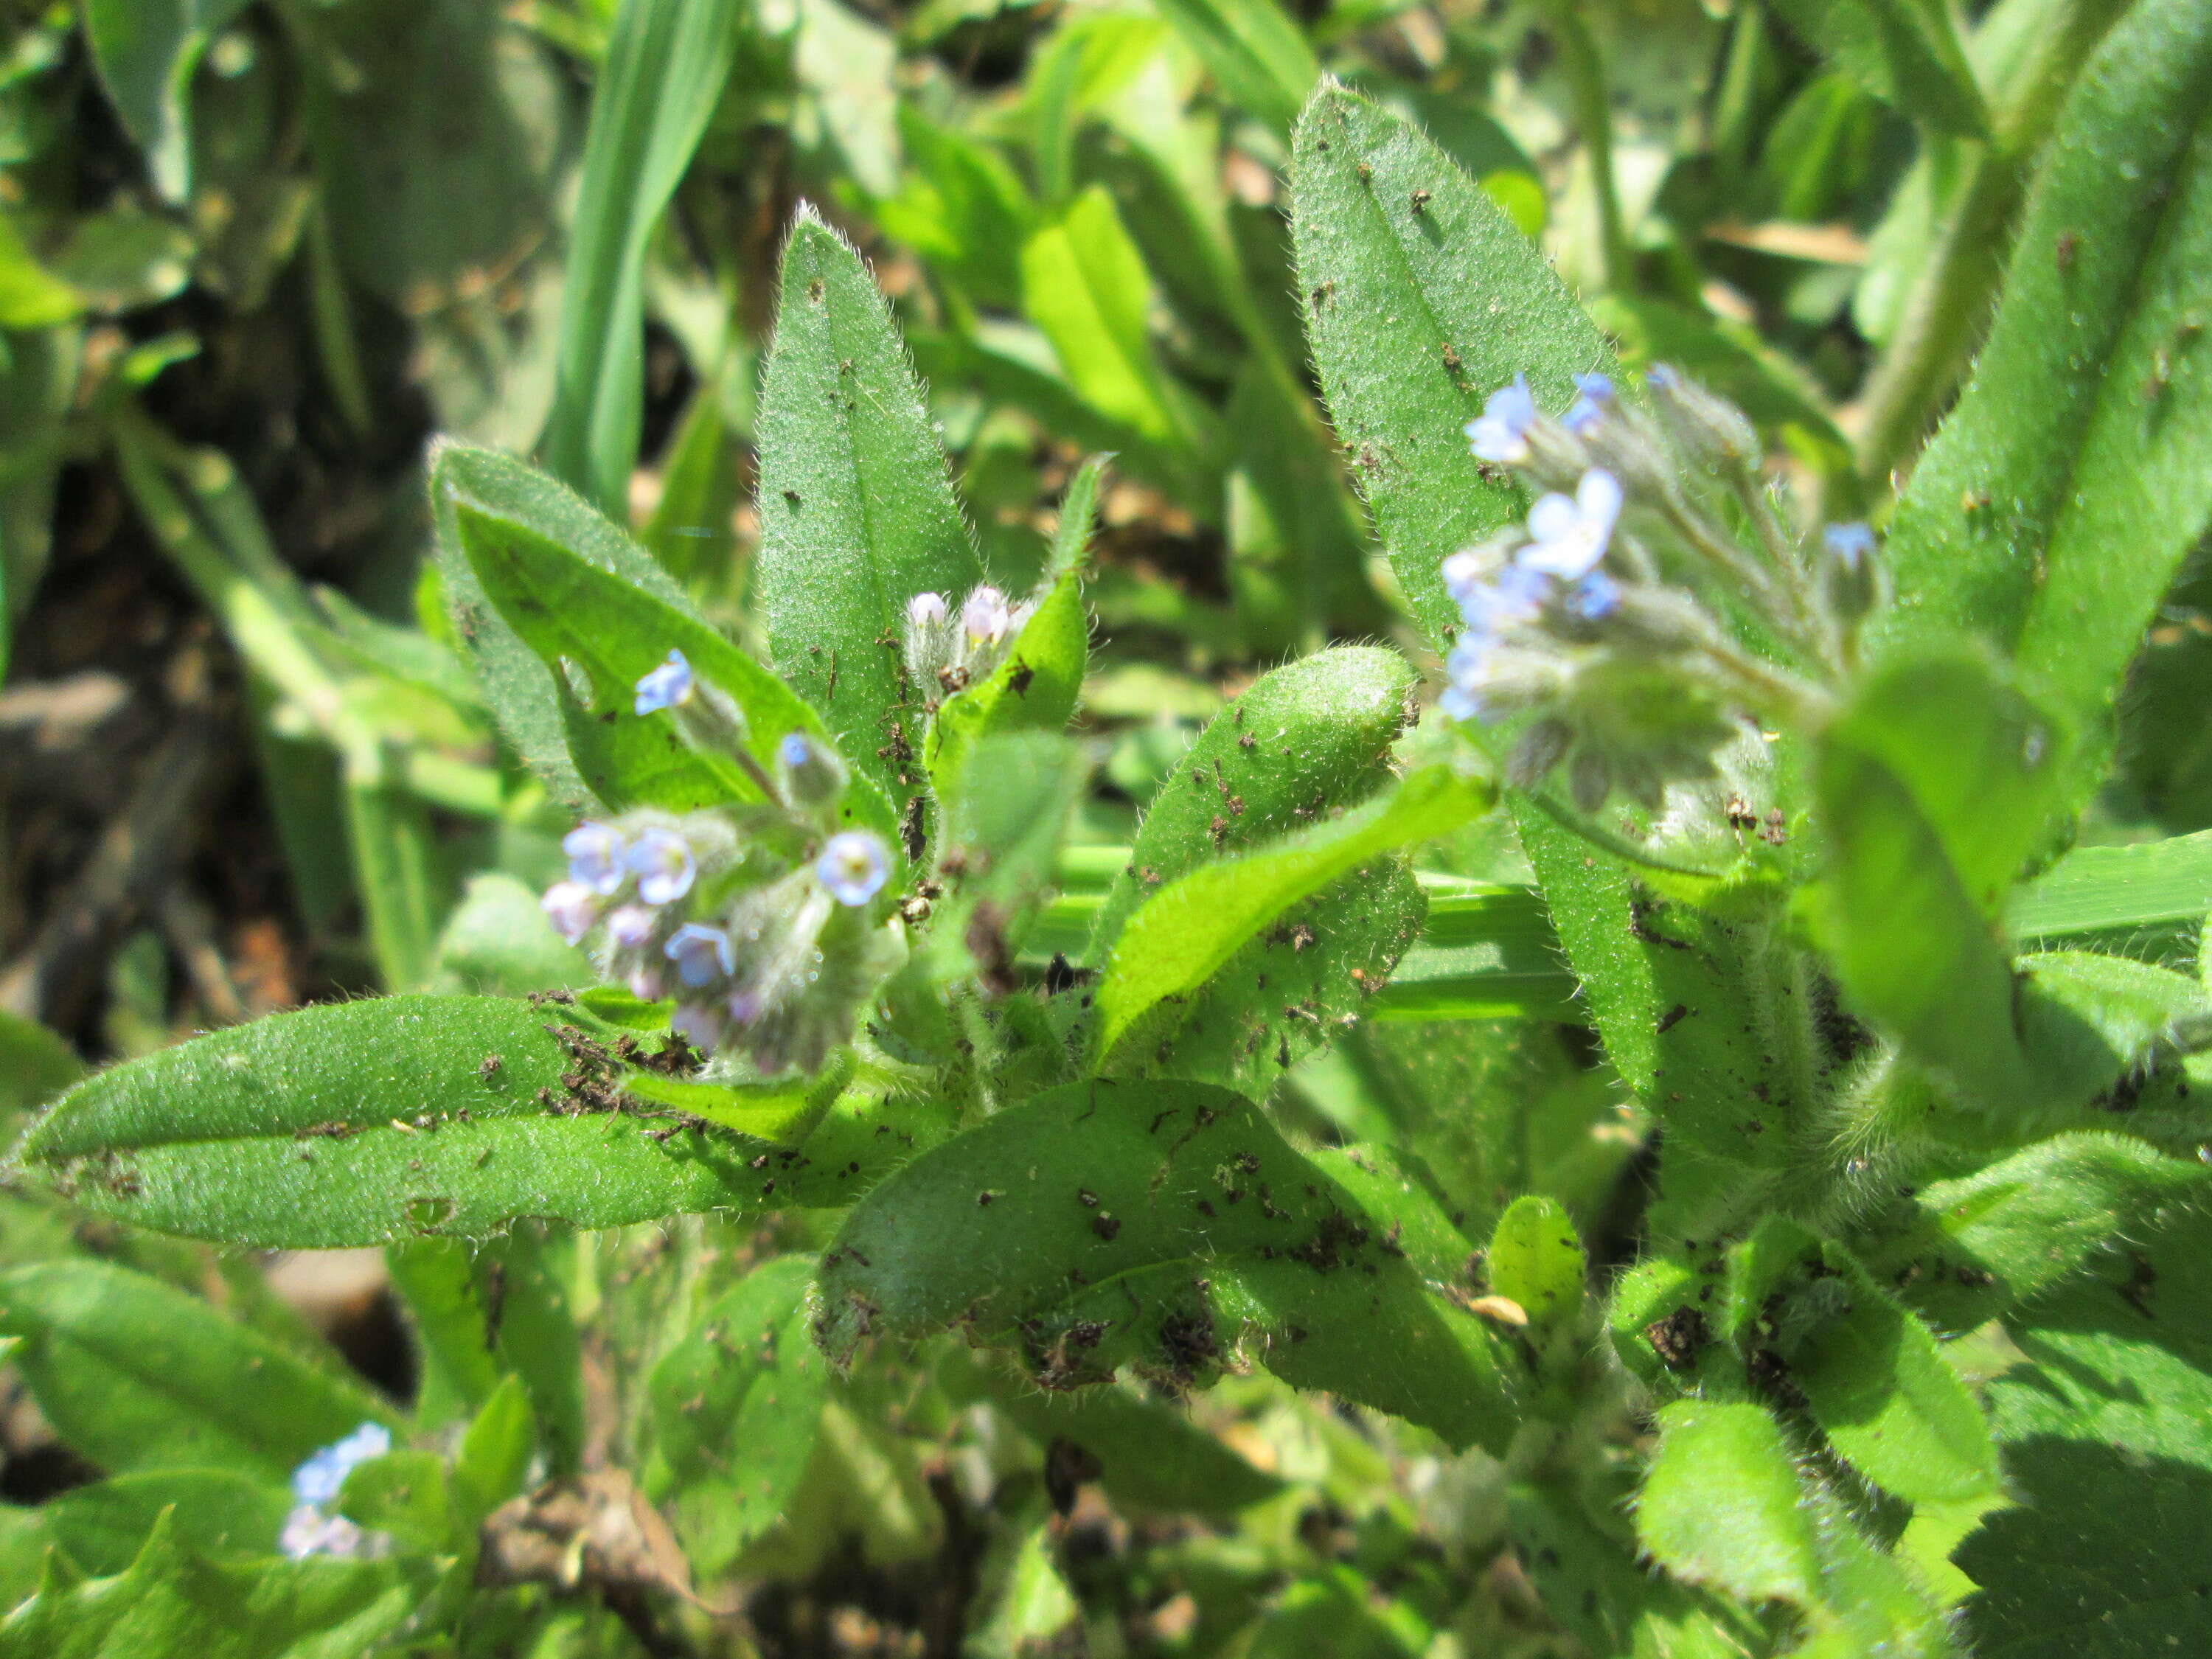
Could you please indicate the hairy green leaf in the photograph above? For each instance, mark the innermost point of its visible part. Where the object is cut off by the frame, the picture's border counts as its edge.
(1307, 737)
(1165, 1223)
(1536, 1259)
(734, 1407)
(1421, 298)
(137, 1375)
(1182, 935)
(857, 512)
(102, 1527)
(566, 608)
(1964, 1250)
(525, 694)
(364, 1122)
(1721, 1505)
(171, 1600)
(1932, 785)
(2051, 510)
(2106, 1449)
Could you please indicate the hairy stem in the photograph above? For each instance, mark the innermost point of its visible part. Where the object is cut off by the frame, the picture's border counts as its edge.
(1948, 308)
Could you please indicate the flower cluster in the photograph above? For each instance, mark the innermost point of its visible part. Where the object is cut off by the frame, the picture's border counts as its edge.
(946, 654)
(753, 920)
(313, 1526)
(1617, 616)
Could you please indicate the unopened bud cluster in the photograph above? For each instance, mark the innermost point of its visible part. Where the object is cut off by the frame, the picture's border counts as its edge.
(1616, 616)
(756, 922)
(947, 652)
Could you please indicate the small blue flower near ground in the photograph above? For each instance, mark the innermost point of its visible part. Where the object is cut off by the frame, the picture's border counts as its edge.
(596, 856)
(572, 908)
(662, 862)
(853, 866)
(701, 954)
(1500, 433)
(1571, 534)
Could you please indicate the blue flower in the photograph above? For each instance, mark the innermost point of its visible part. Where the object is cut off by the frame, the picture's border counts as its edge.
(1501, 432)
(1596, 397)
(318, 1479)
(795, 750)
(926, 610)
(1515, 596)
(572, 908)
(665, 686)
(701, 955)
(662, 862)
(1596, 597)
(1571, 534)
(595, 856)
(307, 1531)
(1849, 543)
(853, 866)
(630, 926)
(1662, 377)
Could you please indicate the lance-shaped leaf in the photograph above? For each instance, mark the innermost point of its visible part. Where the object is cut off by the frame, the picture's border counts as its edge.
(526, 693)
(734, 1408)
(1933, 787)
(857, 510)
(568, 609)
(1161, 1223)
(1254, 50)
(1536, 1261)
(365, 1122)
(1421, 297)
(146, 56)
(1184, 933)
(1868, 1372)
(1963, 1251)
(1308, 737)
(2049, 513)
(135, 1375)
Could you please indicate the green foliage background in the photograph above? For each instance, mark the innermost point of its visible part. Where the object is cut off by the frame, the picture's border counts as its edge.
(1740, 1246)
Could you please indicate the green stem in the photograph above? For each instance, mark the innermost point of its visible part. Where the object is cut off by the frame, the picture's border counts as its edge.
(1585, 67)
(1949, 309)
(396, 865)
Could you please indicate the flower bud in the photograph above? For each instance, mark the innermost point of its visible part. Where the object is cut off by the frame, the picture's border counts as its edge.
(984, 619)
(630, 926)
(1708, 430)
(572, 908)
(930, 644)
(812, 776)
(1850, 577)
